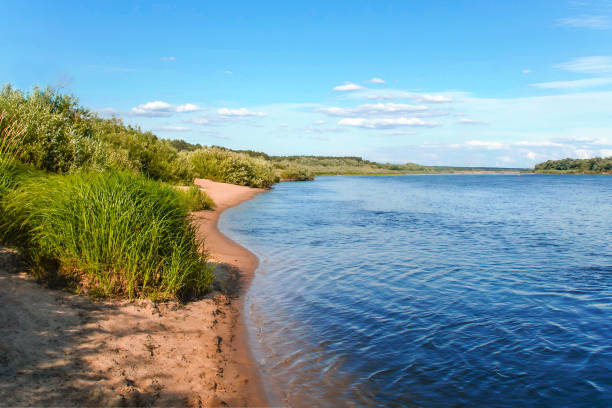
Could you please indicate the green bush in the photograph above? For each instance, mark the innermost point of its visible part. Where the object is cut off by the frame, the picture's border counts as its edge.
(230, 167)
(295, 173)
(111, 233)
(195, 199)
(61, 136)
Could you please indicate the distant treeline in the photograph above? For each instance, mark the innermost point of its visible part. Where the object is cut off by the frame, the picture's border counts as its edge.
(352, 165)
(62, 136)
(595, 165)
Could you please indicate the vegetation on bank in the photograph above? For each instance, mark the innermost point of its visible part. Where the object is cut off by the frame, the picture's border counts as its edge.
(60, 136)
(595, 165)
(109, 233)
(83, 200)
(195, 199)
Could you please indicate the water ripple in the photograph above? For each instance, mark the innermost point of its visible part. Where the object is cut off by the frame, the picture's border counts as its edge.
(432, 291)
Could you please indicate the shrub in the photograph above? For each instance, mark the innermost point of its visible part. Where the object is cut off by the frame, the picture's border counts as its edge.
(230, 167)
(111, 233)
(195, 199)
(295, 173)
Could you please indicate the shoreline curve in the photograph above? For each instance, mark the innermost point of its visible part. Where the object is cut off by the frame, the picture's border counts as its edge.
(243, 263)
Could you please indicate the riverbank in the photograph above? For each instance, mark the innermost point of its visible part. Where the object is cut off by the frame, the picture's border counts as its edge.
(58, 348)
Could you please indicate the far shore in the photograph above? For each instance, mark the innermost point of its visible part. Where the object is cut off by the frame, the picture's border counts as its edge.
(62, 349)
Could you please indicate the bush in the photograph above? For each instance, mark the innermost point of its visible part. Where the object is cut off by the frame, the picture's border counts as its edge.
(195, 199)
(295, 173)
(230, 167)
(110, 233)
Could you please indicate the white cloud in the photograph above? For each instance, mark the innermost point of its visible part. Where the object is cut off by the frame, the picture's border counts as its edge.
(172, 129)
(388, 94)
(593, 22)
(348, 86)
(432, 98)
(199, 121)
(531, 155)
(491, 145)
(574, 84)
(171, 58)
(155, 108)
(187, 107)
(373, 109)
(377, 80)
(537, 143)
(468, 121)
(240, 112)
(526, 71)
(385, 123)
(160, 108)
(589, 65)
(228, 72)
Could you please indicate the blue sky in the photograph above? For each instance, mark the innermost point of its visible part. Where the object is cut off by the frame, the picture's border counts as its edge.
(489, 83)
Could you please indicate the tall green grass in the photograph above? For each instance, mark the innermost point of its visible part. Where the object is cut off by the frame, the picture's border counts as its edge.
(111, 233)
(195, 199)
(11, 135)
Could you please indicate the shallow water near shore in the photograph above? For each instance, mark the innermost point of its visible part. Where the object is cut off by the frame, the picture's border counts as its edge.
(432, 290)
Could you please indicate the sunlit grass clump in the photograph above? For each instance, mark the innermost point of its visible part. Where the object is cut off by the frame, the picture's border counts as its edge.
(195, 199)
(110, 233)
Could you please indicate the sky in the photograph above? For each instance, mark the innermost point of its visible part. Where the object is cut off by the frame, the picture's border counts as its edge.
(464, 83)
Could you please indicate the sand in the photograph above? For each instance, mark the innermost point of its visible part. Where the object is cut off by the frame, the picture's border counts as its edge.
(61, 349)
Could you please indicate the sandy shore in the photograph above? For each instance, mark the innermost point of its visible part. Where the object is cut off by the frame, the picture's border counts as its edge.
(60, 349)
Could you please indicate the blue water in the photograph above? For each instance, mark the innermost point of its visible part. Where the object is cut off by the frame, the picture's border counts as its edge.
(432, 290)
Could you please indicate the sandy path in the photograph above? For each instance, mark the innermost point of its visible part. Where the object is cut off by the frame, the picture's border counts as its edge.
(64, 350)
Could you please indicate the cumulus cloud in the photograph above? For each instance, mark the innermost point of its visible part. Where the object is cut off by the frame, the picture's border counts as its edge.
(187, 107)
(376, 80)
(589, 65)
(385, 123)
(348, 86)
(155, 108)
(574, 84)
(240, 112)
(373, 109)
(594, 22)
(160, 108)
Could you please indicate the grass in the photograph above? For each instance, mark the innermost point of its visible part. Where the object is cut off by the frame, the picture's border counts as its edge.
(195, 199)
(11, 136)
(109, 233)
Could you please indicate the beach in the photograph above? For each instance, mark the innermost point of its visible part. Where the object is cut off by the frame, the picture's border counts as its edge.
(58, 348)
